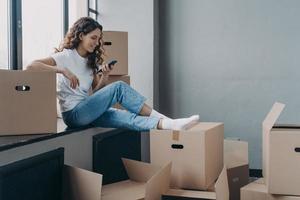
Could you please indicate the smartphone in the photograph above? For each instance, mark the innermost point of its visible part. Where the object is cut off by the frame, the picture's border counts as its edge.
(110, 64)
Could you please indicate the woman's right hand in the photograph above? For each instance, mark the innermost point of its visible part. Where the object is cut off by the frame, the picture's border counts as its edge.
(74, 81)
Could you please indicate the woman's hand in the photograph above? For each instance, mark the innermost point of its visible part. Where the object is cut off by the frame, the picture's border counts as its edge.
(105, 70)
(74, 81)
(100, 80)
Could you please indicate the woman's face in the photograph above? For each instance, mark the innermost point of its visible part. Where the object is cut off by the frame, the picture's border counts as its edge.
(91, 40)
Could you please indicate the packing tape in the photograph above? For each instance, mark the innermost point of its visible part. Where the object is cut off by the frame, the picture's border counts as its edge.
(176, 135)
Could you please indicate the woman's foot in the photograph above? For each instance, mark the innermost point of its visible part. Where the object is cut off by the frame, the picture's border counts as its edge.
(178, 124)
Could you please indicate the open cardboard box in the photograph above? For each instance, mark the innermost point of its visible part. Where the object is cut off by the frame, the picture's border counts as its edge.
(196, 154)
(236, 161)
(221, 191)
(257, 190)
(80, 184)
(146, 181)
(281, 154)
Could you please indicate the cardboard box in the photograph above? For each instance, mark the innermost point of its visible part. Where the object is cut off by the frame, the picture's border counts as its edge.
(281, 156)
(146, 181)
(258, 191)
(116, 48)
(236, 161)
(80, 184)
(221, 191)
(28, 102)
(196, 154)
(114, 78)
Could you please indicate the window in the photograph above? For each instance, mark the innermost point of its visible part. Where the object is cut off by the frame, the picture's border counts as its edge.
(32, 29)
(72, 11)
(4, 34)
(92, 9)
(42, 28)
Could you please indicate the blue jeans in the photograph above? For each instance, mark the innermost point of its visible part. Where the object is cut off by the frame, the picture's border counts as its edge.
(96, 109)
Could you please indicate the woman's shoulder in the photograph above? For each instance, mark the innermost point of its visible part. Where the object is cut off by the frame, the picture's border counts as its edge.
(63, 53)
(67, 51)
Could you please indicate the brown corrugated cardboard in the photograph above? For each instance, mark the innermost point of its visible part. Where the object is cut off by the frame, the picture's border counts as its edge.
(146, 181)
(254, 191)
(236, 160)
(116, 48)
(80, 184)
(196, 154)
(258, 191)
(267, 125)
(28, 102)
(221, 191)
(114, 78)
(281, 158)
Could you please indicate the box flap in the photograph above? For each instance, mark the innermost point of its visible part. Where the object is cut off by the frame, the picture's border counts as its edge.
(159, 183)
(139, 171)
(125, 190)
(80, 184)
(191, 194)
(235, 153)
(273, 115)
(268, 123)
(221, 186)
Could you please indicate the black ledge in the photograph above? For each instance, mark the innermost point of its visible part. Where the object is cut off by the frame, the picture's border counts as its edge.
(9, 142)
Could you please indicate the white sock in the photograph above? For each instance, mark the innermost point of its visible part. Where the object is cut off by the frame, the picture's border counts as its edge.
(154, 113)
(179, 124)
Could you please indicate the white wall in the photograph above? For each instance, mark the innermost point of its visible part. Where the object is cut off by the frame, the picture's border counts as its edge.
(230, 61)
(135, 17)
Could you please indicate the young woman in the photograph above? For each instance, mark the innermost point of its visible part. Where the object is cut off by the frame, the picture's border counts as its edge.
(76, 62)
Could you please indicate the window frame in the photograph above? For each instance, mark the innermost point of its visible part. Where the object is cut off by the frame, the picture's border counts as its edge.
(93, 10)
(15, 37)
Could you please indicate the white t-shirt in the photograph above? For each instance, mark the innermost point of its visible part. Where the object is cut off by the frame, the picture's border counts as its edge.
(68, 97)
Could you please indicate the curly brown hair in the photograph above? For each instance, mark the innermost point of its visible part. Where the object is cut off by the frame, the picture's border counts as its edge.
(71, 40)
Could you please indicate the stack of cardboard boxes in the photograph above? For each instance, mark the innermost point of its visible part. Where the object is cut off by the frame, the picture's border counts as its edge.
(281, 161)
(115, 45)
(197, 160)
(198, 156)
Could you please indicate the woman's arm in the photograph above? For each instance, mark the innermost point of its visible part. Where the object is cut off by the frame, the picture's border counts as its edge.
(45, 64)
(50, 64)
